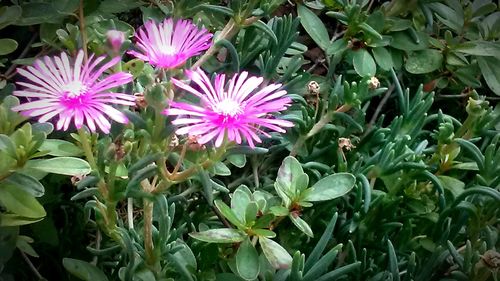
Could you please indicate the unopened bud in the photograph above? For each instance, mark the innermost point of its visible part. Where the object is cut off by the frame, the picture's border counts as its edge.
(115, 39)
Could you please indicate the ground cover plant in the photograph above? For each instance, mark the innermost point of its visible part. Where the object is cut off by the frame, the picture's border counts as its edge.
(249, 140)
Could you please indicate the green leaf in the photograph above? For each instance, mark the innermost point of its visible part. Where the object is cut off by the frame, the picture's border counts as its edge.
(66, 7)
(370, 31)
(184, 261)
(84, 270)
(239, 202)
(118, 6)
(8, 145)
(383, 58)
(424, 61)
(363, 63)
(22, 244)
(7, 46)
(491, 72)
(238, 160)
(247, 261)
(26, 183)
(61, 165)
(20, 202)
(277, 256)
(251, 213)
(15, 220)
(220, 235)
(339, 45)
(134, 67)
(37, 13)
(267, 30)
(314, 27)
(279, 211)
(57, 147)
(221, 169)
(229, 214)
(9, 15)
(264, 232)
(8, 238)
(301, 224)
(480, 48)
(330, 187)
(289, 175)
(402, 40)
(453, 185)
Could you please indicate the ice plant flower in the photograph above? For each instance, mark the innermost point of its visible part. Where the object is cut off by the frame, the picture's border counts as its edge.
(73, 91)
(238, 110)
(170, 43)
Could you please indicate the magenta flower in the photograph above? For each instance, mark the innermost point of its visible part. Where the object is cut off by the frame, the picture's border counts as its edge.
(170, 44)
(237, 110)
(73, 91)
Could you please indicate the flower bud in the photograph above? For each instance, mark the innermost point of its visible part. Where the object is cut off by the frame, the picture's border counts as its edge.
(115, 39)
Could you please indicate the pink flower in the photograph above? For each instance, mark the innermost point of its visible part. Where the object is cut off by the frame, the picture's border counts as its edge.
(115, 39)
(170, 44)
(238, 109)
(72, 90)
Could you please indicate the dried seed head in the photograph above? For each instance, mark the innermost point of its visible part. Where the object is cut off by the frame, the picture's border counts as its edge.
(313, 88)
(346, 143)
(373, 83)
(140, 100)
(193, 143)
(174, 141)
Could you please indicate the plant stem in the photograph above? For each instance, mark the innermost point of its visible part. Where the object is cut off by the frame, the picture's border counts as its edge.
(83, 33)
(130, 213)
(228, 32)
(148, 231)
(181, 157)
(31, 266)
(87, 149)
(157, 126)
(325, 119)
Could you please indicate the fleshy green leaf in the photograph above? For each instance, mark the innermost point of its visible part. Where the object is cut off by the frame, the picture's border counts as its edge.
(301, 224)
(61, 165)
(383, 58)
(363, 63)
(247, 261)
(491, 73)
(402, 40)
(277, 256)
(26, 183)
(9, 15)
(424, 61)
(238, 160)
(20, 202)
(314, 27)
(239, 202)
(7, 46)
(229, 214)
(220, 235)
(57, 147)
(84, 270)
(15, 220)
(480, 48)
(287, 182)
(330, 187)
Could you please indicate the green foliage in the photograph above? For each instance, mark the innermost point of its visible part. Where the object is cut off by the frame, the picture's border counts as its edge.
(391, 171)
